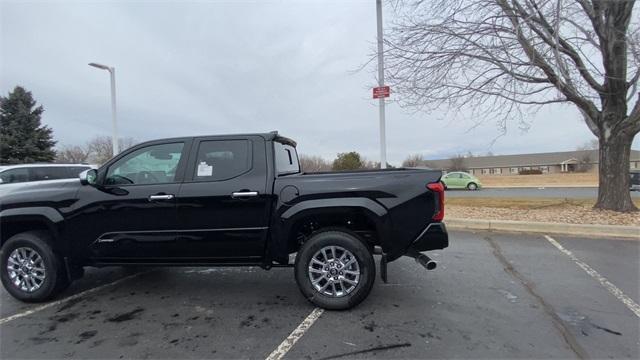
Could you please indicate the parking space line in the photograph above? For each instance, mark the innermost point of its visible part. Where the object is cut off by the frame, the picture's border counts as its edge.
(295, 335)
(614, 290)
(62, 301)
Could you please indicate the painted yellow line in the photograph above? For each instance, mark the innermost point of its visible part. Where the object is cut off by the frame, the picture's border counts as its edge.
(62, 301)
(627, 301)
(295, 335)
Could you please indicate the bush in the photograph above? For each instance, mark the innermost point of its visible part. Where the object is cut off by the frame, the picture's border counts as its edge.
(530, 172)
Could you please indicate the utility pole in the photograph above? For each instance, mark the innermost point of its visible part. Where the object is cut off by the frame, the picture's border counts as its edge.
(383, 140)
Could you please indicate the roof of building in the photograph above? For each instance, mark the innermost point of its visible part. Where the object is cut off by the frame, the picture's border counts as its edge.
(538, 159)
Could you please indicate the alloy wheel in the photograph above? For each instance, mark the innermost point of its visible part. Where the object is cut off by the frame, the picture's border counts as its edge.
(334, 271)
(26, 269)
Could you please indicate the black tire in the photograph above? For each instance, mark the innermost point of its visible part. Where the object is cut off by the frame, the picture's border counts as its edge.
(472, 186)
(55, 279)
(348, 242)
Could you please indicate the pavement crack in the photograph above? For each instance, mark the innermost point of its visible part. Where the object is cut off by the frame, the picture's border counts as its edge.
(567, 336)
(373, 349)
(606, 329)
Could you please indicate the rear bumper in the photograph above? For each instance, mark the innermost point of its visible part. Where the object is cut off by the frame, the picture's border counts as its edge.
(433, 237)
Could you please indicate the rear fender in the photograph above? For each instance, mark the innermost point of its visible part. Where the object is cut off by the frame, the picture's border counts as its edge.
(287, 221)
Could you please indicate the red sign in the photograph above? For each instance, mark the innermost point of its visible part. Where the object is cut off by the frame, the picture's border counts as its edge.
(381, 92)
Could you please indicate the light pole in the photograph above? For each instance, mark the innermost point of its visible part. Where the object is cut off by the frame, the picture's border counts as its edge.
(383, 140)
(114, 135)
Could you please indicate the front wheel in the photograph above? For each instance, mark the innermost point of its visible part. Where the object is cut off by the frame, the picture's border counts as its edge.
(335, 270)
(472, 186)
(30, 271)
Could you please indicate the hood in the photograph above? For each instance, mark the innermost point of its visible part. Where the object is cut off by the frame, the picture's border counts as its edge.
(40, 194)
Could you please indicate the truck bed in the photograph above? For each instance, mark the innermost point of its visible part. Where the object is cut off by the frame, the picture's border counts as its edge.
(399, 197)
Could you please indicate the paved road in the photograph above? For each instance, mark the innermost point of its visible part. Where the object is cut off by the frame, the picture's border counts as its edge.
(493, 296)
(572, 193)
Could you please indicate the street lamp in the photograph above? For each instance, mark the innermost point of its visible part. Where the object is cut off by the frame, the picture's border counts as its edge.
(114, 135)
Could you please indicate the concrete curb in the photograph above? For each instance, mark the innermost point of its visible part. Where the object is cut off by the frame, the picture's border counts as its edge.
(618, 231)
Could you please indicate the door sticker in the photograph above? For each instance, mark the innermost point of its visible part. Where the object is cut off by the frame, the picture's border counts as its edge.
(204, 169)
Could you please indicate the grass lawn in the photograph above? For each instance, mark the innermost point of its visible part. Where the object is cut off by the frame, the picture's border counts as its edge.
(572, 179)
(523, 203)
(574, 211)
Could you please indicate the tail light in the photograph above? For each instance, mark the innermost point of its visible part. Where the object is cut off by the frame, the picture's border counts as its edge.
(438, 189)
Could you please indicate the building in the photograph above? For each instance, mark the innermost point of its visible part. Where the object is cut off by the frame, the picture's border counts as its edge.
(553, 162)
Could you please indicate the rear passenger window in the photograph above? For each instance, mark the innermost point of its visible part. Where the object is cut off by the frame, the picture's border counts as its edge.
(15, 176)
(76, 170)
(48, 173)
(222, 159)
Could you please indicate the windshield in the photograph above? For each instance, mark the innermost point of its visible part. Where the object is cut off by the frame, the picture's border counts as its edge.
(286, 159)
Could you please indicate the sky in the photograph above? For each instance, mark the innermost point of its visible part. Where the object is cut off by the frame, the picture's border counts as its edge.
(217, 67)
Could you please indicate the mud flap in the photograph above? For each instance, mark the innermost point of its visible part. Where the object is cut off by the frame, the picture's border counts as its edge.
(383, 267)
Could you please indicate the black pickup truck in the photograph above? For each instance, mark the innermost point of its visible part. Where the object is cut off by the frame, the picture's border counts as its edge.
(232, 200)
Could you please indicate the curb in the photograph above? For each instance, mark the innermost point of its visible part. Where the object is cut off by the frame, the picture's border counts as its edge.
(618, 231)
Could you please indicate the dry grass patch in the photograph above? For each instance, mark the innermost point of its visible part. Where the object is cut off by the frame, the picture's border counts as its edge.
(571, 211)
(573, 179)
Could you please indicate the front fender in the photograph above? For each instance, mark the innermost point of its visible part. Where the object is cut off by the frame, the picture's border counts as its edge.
(46, 216)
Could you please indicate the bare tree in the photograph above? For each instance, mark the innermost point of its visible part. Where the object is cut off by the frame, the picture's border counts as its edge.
(589, 145)
(72, 154)
(101, 149)
(372, 164)
(457, 163)
(587, 158)
(414, 160)
(585, 162)
(503, 58)
(314, 164)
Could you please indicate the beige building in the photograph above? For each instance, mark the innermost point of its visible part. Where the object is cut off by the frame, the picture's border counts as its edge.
(555, 162)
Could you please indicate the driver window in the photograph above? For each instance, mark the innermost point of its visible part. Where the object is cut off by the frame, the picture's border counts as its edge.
(155, 164)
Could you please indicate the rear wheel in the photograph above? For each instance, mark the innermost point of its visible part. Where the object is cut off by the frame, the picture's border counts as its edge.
(29, 269)
(472, 186)
(334, 270)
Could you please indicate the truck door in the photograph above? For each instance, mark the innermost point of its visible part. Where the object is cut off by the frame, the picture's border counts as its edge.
(223, 205)
(131, 215)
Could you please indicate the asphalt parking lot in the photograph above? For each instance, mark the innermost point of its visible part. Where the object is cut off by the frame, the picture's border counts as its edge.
(492, 296)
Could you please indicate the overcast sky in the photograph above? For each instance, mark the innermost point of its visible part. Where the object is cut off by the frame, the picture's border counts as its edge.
(213, 67)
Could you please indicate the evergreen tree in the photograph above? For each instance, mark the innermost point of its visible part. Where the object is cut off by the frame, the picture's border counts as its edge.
(348, 161)
(23, 139)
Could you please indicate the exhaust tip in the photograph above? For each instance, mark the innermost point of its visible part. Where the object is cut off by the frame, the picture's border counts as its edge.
(426, 262)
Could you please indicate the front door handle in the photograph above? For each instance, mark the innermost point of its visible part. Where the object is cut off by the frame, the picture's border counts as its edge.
(244, 194)
(161, 197)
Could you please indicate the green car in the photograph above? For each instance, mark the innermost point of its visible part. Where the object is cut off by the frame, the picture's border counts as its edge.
(460, 180)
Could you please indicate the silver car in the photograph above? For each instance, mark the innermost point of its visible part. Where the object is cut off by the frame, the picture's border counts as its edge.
(13, 177)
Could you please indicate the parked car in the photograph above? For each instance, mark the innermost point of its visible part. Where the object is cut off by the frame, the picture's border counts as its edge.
(461, 180)
(15, 176)
(634, 185)
(235, 200)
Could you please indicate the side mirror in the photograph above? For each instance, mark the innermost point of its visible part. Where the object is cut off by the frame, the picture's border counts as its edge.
(88, 177)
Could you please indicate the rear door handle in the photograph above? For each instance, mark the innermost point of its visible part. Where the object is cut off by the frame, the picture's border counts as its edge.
(161, 197)
(244, 194)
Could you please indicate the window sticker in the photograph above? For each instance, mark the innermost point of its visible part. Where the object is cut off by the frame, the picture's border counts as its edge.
(204, 169)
